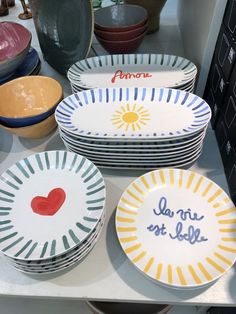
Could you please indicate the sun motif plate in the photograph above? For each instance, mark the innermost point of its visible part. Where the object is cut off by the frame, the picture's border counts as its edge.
(177, 227)
(133, 113)
(49, 203)
(150, 70)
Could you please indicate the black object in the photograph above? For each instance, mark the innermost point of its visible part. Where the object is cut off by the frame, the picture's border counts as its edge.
(230, 17)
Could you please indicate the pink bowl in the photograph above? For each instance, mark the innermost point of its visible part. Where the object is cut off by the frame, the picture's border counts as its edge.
(15, 42)
(119, 18)
(123, 46)
(126, 35)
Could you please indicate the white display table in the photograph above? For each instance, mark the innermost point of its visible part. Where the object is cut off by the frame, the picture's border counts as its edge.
(106, 273)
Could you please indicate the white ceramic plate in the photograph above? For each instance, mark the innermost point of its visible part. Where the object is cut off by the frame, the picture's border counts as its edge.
(134, 157)
(133, 113)
(63, 261)
(190, 214)
(134, 154)
(150, 70)
(59, 258)
(51, 202)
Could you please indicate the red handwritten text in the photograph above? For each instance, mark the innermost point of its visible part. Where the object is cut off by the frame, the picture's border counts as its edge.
(119, 74)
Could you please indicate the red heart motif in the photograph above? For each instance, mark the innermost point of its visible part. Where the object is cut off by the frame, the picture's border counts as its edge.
(48, 206)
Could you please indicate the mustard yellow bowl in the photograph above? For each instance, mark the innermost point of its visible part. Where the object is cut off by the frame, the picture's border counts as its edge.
(34, 131)
(28, 100)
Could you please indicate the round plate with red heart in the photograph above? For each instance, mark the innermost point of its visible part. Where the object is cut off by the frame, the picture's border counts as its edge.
(49, 203)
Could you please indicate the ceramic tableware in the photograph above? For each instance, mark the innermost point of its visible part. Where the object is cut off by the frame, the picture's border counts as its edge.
(191, 214)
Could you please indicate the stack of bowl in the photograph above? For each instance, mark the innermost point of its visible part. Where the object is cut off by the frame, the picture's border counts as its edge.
(27, 105)
(120, 28)
(16, 56)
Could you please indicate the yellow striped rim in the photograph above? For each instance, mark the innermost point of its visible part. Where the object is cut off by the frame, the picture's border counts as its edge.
(215, 265)
(134, 196)
(128, 239)
(194, 274)
(124, 200)
(227, 221)
(222, 202)
(227, 249)
(198, 184)
(159, 271)
(139, 257)
(204, 271)
(126, 229)
(153, 178)
(223, 259)
(122, 219)
(127, 211)
(190, 180)
(172, 177)
(227, 230)
(214, 196)
(170, 276)
(226, 211)
(133, 248)
(207, 189)
(228, 239)
(181, 276)
(137, 188)
(162, 176)
(148, 265)
(180, 178)
(145, 183)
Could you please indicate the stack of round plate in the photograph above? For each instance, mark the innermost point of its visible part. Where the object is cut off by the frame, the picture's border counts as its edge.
(128, 70)
(134, 127)
(177, 227)
(51, 211)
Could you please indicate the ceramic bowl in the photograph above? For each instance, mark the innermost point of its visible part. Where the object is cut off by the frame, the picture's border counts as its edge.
(118, 18)
(16, 39)
(37, 130)
(119, 36)
(28, 100)
(123, 46)
(126, 308)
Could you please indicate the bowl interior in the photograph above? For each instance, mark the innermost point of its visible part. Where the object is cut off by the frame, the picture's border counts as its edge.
(119, 16)
(29, 96)
(15, 38)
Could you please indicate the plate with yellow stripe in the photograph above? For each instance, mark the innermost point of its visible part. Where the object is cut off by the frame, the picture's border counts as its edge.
(177, 227)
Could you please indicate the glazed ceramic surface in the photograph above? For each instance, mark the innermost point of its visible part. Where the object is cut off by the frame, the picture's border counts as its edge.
(60, 191)
(64, 29)
(120, 17)
(27, 67)
(29, 100)
(133, 113)
(16, 39)
(150, 70)
(34, 131)
(190, 214)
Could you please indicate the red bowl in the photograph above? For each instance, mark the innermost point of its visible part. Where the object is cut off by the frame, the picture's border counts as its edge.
(15, 38)
(126, 35)
(119, 18)
(15, 42)
(123, 46)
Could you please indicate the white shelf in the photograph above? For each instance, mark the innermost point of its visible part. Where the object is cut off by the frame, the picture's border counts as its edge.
(106, 274)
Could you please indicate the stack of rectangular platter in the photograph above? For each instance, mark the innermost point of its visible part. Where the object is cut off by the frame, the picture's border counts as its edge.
(134, 128)
(128, 70)
(51, 211)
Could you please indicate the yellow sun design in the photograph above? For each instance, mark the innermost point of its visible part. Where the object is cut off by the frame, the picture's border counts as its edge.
(129, 118)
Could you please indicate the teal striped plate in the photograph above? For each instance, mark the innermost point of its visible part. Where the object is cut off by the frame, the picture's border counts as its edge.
(49, 203)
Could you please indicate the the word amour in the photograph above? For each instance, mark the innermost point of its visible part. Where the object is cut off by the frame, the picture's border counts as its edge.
(119, 74)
